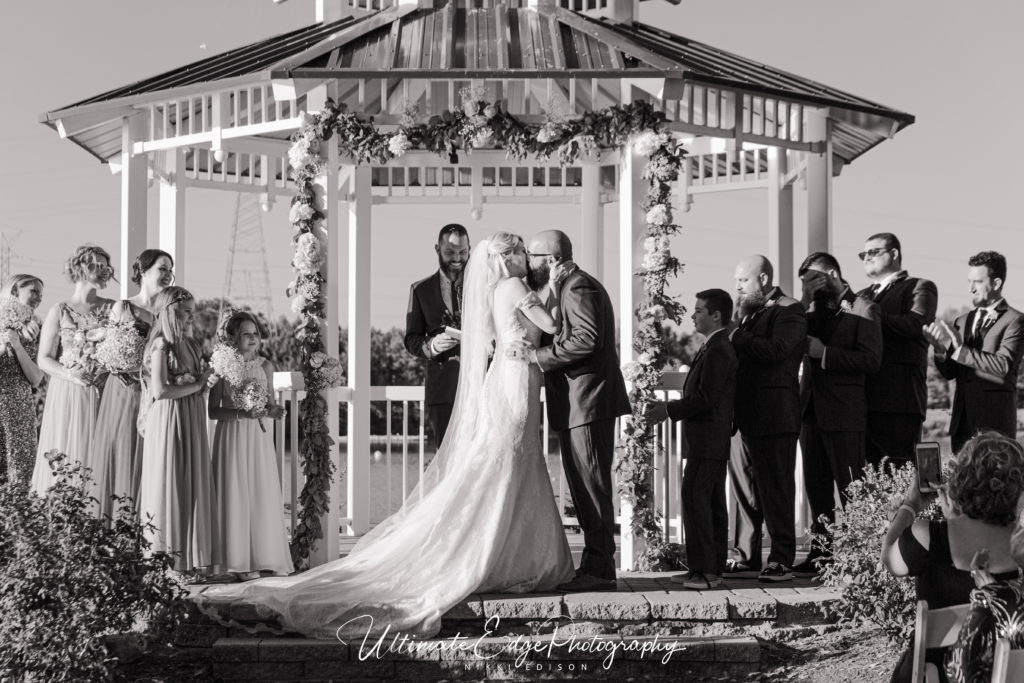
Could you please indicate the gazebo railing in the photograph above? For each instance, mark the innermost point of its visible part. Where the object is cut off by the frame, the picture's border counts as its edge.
(402, 453)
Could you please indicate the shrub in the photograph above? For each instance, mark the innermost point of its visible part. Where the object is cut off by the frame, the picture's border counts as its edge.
(868, 592)
(72, 585)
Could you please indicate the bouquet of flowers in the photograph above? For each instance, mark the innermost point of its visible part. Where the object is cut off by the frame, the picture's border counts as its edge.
(79, 354)
(14, 315)
(228, 364)
(246, 393)
(121, 349)
(252, 396)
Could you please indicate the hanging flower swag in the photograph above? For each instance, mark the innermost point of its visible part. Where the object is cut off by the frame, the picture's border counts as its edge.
(483, 124)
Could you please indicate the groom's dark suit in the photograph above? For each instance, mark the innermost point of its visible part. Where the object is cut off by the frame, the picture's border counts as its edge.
(585, 392)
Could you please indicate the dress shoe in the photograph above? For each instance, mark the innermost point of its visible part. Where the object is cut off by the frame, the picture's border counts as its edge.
(698, 581)
(740, 569)
(585, 583)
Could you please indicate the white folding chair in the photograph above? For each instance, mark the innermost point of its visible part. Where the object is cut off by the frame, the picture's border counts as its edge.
(934, 628)
(1008, 663)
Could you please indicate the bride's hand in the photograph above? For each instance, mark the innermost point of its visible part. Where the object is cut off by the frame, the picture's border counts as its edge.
(560, 271)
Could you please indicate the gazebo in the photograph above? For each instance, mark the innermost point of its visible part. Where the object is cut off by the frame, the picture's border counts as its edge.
(224, 123)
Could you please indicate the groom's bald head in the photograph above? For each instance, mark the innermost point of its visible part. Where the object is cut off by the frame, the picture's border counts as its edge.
(553, 242)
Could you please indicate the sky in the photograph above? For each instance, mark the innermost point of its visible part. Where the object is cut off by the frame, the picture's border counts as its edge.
(948, 186)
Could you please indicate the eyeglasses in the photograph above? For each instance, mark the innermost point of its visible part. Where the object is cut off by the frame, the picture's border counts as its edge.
(531, 254)
(872, 253)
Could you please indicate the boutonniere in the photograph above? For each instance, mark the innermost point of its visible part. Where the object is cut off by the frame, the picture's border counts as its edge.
(846, 305)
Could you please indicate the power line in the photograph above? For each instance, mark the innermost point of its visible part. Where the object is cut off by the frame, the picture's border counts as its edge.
(247, 280)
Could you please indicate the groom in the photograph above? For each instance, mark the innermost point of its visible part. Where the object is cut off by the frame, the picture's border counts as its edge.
(584, 393)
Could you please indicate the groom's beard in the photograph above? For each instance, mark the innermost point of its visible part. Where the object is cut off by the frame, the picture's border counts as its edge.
(536, 279)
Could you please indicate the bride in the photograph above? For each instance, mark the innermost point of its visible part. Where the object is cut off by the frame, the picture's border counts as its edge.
(483, 518)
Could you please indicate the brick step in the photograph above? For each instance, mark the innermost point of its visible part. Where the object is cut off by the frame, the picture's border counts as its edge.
(600, 657)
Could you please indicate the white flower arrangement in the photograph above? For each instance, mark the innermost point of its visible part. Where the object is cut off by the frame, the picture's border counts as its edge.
(299, 212)
(13, 314)
(658, 215)
(550, 131)
(121, 349)
(332, 373)
(228, 364)
(648, 142)
(298, 303)
(632, 370)
(309, 254)
(316, 359)
(398, 144)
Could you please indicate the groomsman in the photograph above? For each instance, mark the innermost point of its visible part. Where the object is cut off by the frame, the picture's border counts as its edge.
(435, 304)
(844, 348)
(982, 352)
(769, 343)
(707, 409)
(898, 394)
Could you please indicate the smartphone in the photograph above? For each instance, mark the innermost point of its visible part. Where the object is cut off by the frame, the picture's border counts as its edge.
(929, 466)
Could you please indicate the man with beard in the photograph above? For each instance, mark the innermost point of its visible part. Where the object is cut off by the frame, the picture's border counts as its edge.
(898, 393)
(584, 393)
(769, 342)
(982, 352)
(844, 348)
(435, 305)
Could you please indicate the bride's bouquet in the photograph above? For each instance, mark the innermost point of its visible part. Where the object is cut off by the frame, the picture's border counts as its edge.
(121, 349)
(14, 315)
(247, 393)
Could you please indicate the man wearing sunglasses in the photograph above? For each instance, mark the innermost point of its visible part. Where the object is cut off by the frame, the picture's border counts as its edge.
(897, 395)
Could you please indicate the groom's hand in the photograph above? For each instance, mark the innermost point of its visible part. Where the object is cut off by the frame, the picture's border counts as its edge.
(657, 413)
(521, 351)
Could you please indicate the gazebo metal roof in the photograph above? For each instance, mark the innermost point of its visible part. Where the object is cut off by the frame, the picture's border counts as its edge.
(449, 41)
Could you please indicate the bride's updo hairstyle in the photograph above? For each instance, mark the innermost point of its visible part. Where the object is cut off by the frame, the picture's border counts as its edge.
(85, 264)
(499, 244)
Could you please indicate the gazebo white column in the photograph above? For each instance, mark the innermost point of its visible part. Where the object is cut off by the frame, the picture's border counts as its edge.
(819, 182)
(631, 230)
(780, 219)
(359, 297)
(590, 255)
(134, 189)
(172, 211)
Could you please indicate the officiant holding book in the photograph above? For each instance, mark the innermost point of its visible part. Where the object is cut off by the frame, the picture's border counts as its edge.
(433, 324)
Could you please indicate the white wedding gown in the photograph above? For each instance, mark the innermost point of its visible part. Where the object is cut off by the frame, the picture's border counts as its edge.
(484, 520)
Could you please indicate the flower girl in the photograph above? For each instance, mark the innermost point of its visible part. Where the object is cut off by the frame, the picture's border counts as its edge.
(249, 505)
(176, 487)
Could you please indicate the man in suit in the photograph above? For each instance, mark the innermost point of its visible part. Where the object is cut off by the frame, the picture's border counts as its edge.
(769, 342)
(585, 393)
(897, 393)
(435, 304)
(844, 348)
(707, 406)
(982, 352)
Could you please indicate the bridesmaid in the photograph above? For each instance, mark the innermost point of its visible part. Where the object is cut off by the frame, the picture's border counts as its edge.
(249, 506)
(116, 449)
(176, 490)
(18, 375)
(72, 399)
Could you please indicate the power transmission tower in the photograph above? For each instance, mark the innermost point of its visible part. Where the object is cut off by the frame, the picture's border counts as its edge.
(5, 258)
(247, 281)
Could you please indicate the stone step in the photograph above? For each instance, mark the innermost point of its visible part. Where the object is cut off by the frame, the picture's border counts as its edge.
(512, 658)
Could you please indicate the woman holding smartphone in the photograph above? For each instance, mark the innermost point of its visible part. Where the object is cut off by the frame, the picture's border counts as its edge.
(979, 509)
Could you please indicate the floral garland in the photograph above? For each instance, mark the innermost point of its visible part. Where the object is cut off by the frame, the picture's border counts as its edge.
(482, 124)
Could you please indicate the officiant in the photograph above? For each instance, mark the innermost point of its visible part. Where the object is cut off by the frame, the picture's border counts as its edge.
(433, 325)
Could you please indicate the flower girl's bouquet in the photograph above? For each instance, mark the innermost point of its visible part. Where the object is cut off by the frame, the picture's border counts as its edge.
(246, 393)
(14, 315)
(121, 349)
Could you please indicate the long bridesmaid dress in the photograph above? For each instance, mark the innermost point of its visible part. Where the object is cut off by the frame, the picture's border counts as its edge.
(249, 505)
(176, 489)
(69, 414)
(115, 453)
